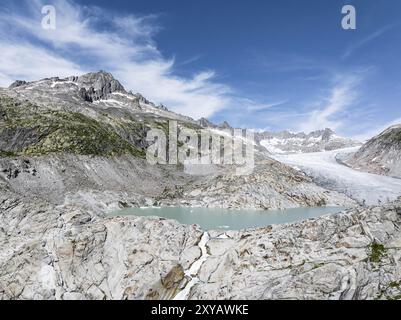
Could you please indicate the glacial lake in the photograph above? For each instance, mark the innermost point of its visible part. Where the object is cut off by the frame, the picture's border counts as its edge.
(213, 219)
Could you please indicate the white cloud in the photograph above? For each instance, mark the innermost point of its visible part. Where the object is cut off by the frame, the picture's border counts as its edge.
(24, 61)
(328, 113)
(95, 39)
(366, 40)
(252, 105)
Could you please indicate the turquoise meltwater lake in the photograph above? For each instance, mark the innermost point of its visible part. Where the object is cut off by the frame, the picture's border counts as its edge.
(213, 219)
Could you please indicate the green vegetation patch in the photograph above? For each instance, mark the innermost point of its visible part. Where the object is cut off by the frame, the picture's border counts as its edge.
(395, 284)
(26, 129)
(377, 252)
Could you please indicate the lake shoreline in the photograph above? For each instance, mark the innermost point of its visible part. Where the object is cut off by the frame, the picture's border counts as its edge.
(227, 219)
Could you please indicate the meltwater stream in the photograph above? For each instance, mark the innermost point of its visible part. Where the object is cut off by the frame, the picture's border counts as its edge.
(213, 219)
(193, 271)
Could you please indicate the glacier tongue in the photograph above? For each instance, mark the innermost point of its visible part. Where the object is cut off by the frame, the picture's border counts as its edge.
(364, 187)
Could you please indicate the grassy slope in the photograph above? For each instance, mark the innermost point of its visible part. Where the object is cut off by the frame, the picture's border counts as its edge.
(26, 129)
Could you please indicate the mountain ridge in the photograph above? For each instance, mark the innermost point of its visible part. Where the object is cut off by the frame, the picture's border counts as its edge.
(381, 154)
(316, 141)
(97, 87)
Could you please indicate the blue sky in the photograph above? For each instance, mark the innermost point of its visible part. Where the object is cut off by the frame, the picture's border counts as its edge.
(270, 65)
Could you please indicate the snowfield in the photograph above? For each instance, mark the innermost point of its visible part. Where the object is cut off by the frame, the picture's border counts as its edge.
(323, 167)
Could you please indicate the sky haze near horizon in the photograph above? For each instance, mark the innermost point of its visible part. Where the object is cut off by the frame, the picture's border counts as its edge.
(269, 65)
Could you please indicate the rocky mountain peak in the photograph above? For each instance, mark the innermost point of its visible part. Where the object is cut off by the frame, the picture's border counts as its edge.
(224, 125)
(98, 85)
(205, 123)
(17, 83)
(91, 86)
(327, 134)
(96, 79)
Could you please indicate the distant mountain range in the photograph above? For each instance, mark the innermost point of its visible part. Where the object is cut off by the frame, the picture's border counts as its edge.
(284, 142)
(316, 141)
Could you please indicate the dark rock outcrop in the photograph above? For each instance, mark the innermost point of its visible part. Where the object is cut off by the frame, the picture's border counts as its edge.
(98, 85)
(205, 123)
(225, 125)
(17, 84)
